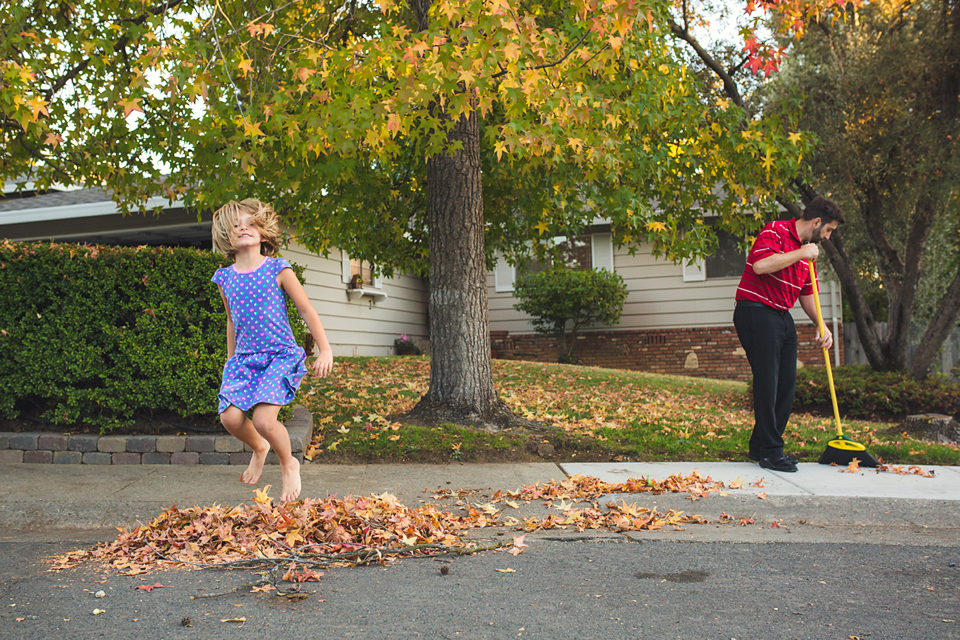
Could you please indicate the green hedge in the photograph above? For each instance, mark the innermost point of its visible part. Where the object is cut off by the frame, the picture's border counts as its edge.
(864, 393)
(101, 335)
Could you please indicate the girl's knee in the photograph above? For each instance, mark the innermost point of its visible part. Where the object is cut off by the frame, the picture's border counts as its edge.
(232, 420)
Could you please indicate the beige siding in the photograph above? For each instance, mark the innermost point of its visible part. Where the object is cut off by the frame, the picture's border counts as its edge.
(657, 298)
(359, 327)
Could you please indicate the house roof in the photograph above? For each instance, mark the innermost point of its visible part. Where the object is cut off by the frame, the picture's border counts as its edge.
(88, 215)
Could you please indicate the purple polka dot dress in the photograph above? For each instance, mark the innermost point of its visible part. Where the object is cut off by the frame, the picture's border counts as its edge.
(267, 365)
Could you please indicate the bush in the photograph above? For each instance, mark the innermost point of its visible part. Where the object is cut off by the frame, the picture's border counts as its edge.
(558, 296)
(98, 335)
(864, 393)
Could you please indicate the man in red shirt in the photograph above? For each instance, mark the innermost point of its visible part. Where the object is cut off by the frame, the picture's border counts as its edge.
(775, 277)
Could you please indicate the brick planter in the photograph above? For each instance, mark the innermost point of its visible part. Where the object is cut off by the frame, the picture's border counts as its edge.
(49, 448)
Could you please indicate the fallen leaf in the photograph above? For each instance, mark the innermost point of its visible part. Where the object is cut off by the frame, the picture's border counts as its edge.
(508, 570)
(762, 495)
(149, 587)
(775, 525)
(241, 621)
(854, 466)
(267, 588)
(97, 612)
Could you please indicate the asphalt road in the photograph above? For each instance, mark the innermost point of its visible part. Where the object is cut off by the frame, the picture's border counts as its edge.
(564, 585)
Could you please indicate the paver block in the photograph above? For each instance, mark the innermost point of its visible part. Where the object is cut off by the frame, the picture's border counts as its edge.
(185, 457)
(38, 457)
(112, 444)
(171, 444)
(5, 440)
(142, 444)
(11, 455)
(96, 457)
(155, 457)
(125, 457)
(210, 457)
(53, 442)
(200, 444)
(228, 444)
(272, 458)
(82, 442)
(24, 441)
(67, 457)
(241, 457)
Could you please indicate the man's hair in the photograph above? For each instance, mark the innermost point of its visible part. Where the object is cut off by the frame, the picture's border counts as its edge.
(263, 215)
(824, 209)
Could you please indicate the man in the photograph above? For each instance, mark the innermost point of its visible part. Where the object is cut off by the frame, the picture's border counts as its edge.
(775, 277)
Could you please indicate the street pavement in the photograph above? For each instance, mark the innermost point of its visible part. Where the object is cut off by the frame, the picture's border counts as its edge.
(817, 554)
(865, 506)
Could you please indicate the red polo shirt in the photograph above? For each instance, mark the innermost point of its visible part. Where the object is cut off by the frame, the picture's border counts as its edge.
(779, 289)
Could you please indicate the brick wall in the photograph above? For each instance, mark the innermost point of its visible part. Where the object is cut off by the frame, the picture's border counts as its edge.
(707, 352)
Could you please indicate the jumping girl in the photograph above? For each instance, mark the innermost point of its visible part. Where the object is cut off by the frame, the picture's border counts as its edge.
(265, 364)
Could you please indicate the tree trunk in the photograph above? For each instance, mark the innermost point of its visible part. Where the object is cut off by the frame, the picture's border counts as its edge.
(461, 375)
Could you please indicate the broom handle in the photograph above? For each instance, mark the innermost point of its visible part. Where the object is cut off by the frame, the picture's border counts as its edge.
(826, 354)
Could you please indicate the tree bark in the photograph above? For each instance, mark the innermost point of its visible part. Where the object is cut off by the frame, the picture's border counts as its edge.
(461, 374)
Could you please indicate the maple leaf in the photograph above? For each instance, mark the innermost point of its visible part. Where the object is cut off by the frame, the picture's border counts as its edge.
(53, 139)
(245, 67)
(129, 106)
(253, 129)
(149, 587)
(261, 496)
(762, 495)
(267, 588)
(38, 105)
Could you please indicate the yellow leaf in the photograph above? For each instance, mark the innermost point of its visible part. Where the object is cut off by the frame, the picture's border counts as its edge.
(261, 495)
(38, 105)
(253, 129)
(245, 67)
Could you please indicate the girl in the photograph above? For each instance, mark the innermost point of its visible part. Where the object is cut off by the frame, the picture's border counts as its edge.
(265, 364)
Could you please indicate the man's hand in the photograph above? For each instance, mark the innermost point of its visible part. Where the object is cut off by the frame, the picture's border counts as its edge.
(809, 251)
(323, 364)
(827, 340)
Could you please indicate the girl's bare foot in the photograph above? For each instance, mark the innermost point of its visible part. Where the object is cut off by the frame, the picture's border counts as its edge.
(252, 473)
(291, 480)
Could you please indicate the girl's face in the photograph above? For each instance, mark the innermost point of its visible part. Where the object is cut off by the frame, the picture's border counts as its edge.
(244, 232)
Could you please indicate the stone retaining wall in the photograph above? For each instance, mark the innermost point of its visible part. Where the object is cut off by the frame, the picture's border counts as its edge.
(56, 448)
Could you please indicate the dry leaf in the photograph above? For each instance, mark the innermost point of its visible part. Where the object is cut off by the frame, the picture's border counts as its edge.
(508, 570)
(762, 495)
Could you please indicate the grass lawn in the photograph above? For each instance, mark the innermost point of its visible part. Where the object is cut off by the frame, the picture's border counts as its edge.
(595, 414)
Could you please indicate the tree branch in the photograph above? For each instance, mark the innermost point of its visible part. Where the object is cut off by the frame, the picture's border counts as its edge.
(729, 84)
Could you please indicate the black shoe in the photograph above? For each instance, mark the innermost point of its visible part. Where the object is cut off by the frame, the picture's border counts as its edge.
(779, 463)
(757, 458)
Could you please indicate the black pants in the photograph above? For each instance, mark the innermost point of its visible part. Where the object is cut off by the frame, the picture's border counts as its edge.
(770, 339)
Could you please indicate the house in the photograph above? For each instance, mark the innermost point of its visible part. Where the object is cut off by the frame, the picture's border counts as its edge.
(677, 319)
(358, 322)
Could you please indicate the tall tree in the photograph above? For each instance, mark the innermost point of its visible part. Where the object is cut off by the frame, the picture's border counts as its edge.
(882, 91)
(878, 85)
(436, 131)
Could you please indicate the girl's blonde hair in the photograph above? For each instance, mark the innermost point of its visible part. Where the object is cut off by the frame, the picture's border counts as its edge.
(262, 215)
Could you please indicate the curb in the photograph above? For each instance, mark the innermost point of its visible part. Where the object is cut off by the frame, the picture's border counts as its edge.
(57, 448)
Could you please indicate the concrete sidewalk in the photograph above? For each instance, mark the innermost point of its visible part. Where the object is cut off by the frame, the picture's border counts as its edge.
(35, 497)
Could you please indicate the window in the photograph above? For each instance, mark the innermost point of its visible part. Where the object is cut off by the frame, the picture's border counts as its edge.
(727, 262)
(352, 267)
(591, 251)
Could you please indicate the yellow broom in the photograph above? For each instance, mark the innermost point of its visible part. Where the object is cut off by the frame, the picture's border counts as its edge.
(840, 450)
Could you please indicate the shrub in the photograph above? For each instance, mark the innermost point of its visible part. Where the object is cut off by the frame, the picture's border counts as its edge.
(864, 393)
(559, 296)
(97, 335)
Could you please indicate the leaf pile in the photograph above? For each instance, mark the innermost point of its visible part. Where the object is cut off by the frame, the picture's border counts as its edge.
(338, 532)
(353, 531)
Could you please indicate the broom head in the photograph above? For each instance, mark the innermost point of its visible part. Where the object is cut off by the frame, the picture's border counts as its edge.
(842, 450)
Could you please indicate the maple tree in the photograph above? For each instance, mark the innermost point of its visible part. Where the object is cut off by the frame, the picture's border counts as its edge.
(434, 132)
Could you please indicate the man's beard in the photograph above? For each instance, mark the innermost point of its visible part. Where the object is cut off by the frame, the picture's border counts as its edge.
(817, 236)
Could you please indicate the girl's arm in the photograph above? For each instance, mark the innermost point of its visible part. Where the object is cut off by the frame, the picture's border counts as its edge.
(323, 364)
(231, 335)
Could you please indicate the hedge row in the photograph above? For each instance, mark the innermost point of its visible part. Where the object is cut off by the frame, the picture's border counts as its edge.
(100, 335)
(864, 393)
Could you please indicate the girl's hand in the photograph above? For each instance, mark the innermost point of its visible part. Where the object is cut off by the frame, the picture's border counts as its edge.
(322, 364)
